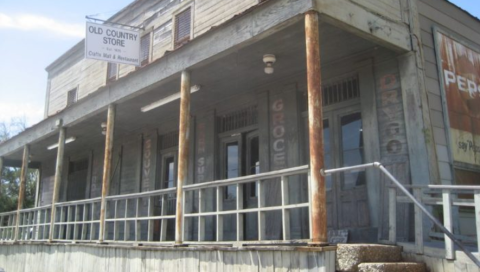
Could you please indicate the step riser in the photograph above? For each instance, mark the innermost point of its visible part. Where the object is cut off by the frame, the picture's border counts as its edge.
(350, 256)
(391, 267)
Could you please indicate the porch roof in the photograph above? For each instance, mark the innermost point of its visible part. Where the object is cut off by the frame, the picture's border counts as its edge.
(224, 61)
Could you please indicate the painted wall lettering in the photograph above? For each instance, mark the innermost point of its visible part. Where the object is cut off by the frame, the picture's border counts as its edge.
(278, 134)
(391, 114)
(147, 161)
(201, 152)
(393, 140)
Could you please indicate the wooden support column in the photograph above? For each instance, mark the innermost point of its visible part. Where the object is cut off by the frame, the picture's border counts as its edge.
(21, 190)
(183, 146)
(57, 180)
(107, 165)
(315, 130)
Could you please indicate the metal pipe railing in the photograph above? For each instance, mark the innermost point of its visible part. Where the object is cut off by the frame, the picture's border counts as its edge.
(412, 198)
(82, 212)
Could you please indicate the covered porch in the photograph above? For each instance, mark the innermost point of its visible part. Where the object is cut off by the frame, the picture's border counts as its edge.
(241, 169)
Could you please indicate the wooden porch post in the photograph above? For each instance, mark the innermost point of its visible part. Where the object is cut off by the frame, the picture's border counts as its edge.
(21, 190)
(57, 180)
(106, 168)
(183, 144)
(315, 130)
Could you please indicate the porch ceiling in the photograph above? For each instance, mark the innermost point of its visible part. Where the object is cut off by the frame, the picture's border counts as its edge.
(241, 71)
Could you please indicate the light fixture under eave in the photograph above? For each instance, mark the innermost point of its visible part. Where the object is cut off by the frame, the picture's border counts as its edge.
(269, 60)
(104, 128)
(68, 140)
(167, 99)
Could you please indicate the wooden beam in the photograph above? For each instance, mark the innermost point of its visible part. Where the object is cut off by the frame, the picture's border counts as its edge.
(57, 179)
(21, 191)
(362, 22)
(315, 130)
(107, 166)
(183, 149)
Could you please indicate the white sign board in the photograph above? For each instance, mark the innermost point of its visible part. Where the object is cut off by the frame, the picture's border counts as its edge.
(112, 44)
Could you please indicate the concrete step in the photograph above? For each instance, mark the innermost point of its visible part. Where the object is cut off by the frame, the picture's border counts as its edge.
(392, 267)
(349, 256)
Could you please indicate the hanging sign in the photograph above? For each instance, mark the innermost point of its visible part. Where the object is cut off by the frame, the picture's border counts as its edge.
(115, 45)
(460, 70)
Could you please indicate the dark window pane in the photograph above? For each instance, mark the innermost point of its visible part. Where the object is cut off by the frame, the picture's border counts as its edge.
(352, 149)
(254, 167)
(182, 27)
(352, 131)
(232, 160)
(169, 178)
(231, 170)
(144, 49)
(326, 137)
(71, 97)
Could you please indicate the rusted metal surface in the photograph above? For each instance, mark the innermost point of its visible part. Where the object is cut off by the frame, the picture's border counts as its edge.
(107, 165)
(58, 179)
(183, 146)
(21, 190)
(315, 130)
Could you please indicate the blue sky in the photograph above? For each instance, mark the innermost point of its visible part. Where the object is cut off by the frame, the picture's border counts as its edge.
(34, 33)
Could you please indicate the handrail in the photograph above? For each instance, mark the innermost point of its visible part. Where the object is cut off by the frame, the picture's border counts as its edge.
(77, 202)
(246, 179)
(265, 176)
(143, 194)
(444, 187)
(409, 195)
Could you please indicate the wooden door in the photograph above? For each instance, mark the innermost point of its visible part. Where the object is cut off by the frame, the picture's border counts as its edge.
(347, 199)
(77, 179)
(350, 188)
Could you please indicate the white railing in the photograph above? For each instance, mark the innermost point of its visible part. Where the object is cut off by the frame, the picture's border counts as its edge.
(34, 224)
(238, 210)
(419, 209)
(141, 217)
(77, 220)
(147, 217)
(7, 225)
(447, 197)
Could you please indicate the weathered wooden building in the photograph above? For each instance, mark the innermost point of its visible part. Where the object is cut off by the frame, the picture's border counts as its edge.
(200, 147)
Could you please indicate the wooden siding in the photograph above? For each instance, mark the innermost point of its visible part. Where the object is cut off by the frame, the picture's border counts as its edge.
(32, 258)
(212, 13)
(87, 75)
(446, 16)
(90, 75)
(391, 9)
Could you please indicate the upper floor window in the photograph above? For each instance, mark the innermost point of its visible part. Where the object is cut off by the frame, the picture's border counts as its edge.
(71, 97)
(145, 50)
(183, 26)
(112, 69)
